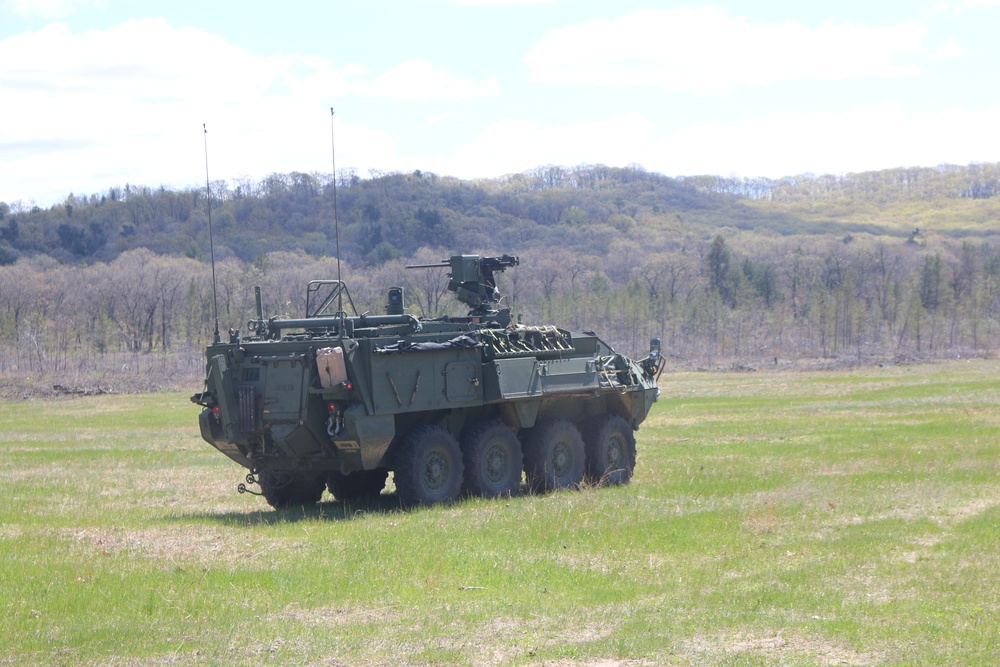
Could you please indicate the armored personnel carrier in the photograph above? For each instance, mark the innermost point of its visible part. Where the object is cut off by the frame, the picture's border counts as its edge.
(450, 406)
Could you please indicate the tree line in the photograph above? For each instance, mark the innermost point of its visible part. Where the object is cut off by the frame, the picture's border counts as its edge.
(975, 181)
(738, 297)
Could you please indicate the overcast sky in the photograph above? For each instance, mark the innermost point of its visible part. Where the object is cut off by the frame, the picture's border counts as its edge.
(101, 93)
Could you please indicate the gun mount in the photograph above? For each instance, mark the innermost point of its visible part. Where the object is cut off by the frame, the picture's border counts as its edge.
(472, 280)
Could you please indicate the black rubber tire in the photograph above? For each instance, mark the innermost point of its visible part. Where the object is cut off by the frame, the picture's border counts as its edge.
(361, 484)
(554, 456)
(491, 454)
(282, 490)
(428, 467)
(610, 446)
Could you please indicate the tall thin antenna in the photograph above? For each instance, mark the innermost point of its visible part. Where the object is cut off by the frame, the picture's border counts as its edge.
(336, 224)
(211, 240)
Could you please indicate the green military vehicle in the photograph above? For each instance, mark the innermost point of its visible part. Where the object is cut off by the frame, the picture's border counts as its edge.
(451, 406)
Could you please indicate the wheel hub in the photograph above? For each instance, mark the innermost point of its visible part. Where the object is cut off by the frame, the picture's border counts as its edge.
(561, 459)
(435, 471)
(496, 464)
(614, 452)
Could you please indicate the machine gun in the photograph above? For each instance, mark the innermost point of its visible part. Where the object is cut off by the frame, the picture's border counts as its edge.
(472, 280)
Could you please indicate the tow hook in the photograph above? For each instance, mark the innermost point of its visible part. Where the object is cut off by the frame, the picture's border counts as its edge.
(250, 479)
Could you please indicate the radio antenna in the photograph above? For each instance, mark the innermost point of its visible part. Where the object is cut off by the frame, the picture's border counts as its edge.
(336, 223)
(333, 159)
(211, 240)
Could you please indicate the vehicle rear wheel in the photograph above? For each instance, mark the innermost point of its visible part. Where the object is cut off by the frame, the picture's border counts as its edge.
(492, 457)
(610, 446)
(428, 467)
(361, 484)
(282, 490)
(554, 456)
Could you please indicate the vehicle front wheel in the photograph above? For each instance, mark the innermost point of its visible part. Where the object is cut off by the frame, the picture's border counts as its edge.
(282, 490)
(428, 467)
(610, 446)
(360, 484)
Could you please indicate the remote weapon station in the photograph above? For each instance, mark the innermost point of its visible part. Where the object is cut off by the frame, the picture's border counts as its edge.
(451, 406)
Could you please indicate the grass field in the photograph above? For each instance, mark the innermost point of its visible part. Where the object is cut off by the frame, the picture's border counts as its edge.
(848, 518)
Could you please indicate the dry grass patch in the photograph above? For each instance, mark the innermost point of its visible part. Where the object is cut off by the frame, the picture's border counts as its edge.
(593, 662)
(342, 616)
(782, 647)
(188, 546)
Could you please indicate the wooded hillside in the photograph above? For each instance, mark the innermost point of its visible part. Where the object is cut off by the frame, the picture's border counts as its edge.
(867, 267)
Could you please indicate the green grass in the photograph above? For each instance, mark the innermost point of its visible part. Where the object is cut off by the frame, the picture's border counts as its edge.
(774, 519)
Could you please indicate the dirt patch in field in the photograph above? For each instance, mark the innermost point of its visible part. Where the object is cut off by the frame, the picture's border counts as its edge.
(192, 546)
(939, 505)
(511, 637)
(400, 632)
(597, 663)
(786, 648)
(340, 616)
(10, 531)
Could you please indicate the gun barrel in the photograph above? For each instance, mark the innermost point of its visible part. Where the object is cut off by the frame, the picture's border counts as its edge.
(442, 265)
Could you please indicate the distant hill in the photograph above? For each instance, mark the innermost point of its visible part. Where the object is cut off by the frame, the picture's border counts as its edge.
(956, 201)
(581, 209)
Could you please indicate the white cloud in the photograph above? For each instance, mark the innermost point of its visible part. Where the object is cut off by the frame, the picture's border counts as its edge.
(959, 7)
(48, 9)
(126, 104)
(872, 138)
(504, 2)
(513, 146)
(418, 80)
(950, 49)
(446, 117)
(706, 50)
(102, 108)
(139, 59)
